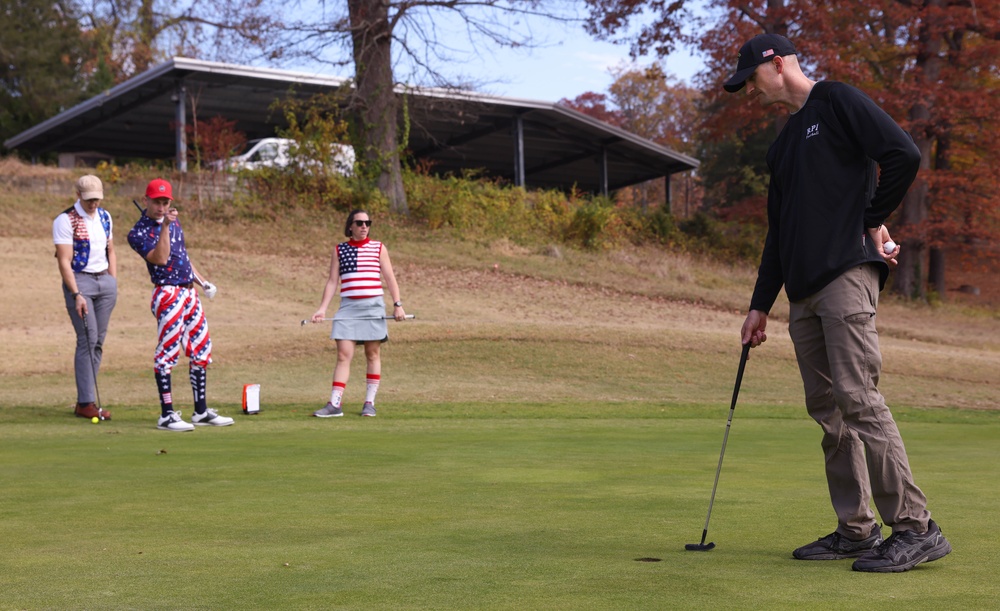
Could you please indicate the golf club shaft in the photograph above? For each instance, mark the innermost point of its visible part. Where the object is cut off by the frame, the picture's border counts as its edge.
(93, 366)
(725, 437)
(408, 317)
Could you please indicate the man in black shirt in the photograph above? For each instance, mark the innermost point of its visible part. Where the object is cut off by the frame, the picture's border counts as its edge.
(825, 245)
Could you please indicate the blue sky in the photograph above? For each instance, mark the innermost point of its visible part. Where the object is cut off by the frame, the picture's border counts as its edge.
(565, 62)
(576, 65)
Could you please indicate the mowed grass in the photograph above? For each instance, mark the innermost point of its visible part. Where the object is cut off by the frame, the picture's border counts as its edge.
(455, 506)
(543, 423)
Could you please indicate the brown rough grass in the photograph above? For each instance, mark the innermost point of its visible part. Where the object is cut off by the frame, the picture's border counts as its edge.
(12, 167)
(496, 322)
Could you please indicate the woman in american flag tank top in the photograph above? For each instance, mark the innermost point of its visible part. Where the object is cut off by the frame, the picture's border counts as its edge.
(358, 266)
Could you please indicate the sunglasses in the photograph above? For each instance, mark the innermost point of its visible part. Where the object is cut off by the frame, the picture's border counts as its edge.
(362, 223)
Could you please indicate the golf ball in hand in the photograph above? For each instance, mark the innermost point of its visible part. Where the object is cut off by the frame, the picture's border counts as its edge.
(889, 247)
(95, 420)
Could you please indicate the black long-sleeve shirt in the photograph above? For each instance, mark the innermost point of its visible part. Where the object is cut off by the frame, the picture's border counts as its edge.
(818, 203)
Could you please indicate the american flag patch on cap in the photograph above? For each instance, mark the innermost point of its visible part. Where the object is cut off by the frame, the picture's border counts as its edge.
(767, 53)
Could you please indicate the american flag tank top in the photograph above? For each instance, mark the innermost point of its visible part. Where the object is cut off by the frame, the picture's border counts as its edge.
(360, 272)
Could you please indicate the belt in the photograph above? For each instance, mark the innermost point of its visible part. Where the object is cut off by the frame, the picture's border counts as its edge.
(95, 274)
(189, 285)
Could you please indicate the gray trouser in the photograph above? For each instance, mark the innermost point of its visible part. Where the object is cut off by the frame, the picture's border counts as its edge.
(101, 293)
(837, 348)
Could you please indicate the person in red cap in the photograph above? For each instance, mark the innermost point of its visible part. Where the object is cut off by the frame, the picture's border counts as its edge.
(826, 206)
(85, 253)
(181, 322)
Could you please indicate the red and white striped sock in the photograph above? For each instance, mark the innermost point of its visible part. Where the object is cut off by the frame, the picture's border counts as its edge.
(338, 393)
(372, 388)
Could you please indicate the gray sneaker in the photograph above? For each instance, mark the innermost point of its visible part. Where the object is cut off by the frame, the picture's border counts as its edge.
(904, 550)
(328, 411)
(836, 546)
(368, 409)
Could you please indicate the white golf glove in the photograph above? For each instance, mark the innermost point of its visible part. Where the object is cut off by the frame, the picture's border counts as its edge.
(210, 289)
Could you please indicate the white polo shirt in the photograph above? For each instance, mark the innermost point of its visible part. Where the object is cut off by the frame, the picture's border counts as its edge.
(63, 230)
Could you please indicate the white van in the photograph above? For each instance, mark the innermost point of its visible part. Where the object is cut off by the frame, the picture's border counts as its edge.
(274, 152)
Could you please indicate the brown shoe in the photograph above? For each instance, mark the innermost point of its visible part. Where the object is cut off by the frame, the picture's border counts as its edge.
(89, 410)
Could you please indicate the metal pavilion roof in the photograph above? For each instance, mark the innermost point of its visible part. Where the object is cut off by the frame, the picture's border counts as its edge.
(451, 131)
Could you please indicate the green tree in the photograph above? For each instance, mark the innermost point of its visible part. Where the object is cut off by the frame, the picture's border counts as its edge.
(127, 37)
(655, 105)
(41, 54)
(414, 37)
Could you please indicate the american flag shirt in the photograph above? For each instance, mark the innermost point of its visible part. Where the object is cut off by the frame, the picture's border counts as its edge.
(144, 237)
(360, 271)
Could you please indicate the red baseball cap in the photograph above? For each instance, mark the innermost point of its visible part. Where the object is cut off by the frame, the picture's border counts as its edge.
(159, 188)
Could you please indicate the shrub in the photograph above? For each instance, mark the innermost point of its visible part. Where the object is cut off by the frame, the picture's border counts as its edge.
(704, 228)
(734, 240)
(663, 226)
(596, 225)
(211, 142)
(483, 208)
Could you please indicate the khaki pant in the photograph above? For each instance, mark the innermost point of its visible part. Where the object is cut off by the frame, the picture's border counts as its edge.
(837, 348)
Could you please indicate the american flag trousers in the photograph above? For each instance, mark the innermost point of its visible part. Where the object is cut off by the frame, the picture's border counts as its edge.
(180, 323)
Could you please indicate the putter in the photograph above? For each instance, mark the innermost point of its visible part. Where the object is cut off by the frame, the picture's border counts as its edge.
(704, 547)
(408, 317)
(93, 367)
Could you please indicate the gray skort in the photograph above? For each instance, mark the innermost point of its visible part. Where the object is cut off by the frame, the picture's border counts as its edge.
(360, 320)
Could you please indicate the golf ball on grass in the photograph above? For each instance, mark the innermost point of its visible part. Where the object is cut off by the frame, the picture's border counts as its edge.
(95, 419)
(889, 247)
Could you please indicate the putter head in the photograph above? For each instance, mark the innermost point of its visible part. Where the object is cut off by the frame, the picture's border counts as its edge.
(304, 321)
(699, 547)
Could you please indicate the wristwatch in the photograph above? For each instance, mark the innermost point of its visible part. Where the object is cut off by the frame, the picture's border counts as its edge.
(397, 304)
(76, 294)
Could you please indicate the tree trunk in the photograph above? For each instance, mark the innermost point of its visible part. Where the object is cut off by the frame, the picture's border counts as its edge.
(909, 280)
(376, 107)
(936, 275)
(935, 271)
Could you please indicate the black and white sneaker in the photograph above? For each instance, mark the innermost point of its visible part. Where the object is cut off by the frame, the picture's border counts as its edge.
(210, 418)
(836, 546)
(173, 422)
(904, 550)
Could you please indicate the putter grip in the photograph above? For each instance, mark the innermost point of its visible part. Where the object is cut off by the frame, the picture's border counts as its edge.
(739, 372)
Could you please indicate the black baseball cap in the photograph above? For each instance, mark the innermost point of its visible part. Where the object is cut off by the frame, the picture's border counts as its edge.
(760, 49)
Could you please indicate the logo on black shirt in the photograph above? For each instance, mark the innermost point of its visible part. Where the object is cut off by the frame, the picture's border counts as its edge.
(812, 130)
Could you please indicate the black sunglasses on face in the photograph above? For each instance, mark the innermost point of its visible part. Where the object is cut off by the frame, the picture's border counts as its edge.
(360, 223)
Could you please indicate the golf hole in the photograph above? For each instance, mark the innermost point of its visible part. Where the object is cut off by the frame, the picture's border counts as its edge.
(647, 559)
